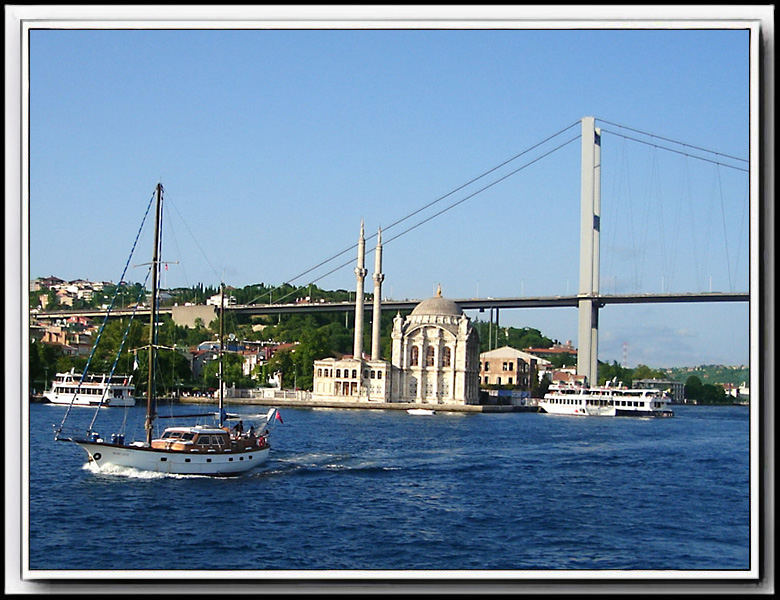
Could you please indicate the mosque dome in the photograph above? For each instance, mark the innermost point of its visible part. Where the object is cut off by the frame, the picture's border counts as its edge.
(437, 306)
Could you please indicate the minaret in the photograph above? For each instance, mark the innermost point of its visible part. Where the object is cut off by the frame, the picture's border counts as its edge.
(360, 273)
(378, 279)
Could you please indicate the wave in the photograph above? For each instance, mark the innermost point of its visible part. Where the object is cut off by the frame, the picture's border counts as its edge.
(132, 473)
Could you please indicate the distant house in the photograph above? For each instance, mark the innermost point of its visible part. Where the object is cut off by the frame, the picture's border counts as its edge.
(82, 342)
(736, 391)
(216, 300)
(201, 357)
(45, 283)
(65, 298)
(271, 350)
(566, 350)
(54, 334)
(676, 389)
(252, 358)
(509, 366)
(566, 375)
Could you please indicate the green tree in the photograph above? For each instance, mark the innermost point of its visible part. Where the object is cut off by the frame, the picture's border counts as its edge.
(712, 394)
(614, 372)
(282, 361)
(693, 388)
(232, 371)
(313, 346)
(539, 388)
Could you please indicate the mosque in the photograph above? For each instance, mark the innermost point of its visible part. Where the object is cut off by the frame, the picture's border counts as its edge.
(435, 352)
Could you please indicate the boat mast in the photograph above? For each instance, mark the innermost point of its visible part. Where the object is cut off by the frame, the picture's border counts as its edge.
(221, 349)
(153, 319)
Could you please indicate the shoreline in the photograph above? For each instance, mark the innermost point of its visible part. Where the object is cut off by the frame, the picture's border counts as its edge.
(290, 403)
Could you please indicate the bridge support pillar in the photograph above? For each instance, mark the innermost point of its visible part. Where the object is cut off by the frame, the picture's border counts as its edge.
(590, 214)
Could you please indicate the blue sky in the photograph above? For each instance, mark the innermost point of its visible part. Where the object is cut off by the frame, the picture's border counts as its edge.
(273, 145)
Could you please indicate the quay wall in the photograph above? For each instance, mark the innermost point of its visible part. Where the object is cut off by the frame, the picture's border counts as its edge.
(279, 399)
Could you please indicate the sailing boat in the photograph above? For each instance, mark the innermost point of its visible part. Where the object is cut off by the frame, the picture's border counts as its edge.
(190, 450)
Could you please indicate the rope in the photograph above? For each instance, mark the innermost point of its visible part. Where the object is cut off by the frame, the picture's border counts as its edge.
(105, 319)
(118, 354)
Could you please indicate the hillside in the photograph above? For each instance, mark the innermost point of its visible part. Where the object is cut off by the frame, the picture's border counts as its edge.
(711, 374)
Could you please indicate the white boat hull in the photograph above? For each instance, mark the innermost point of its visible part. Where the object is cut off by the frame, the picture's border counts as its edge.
(600, 411)
(87, 400)
(420, 411)
(105, 456)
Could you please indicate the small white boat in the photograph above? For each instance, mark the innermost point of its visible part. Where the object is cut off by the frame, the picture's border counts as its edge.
(420, 411)
(92, 390)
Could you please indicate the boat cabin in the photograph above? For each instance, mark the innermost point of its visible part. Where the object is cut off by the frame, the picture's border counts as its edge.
(202, 439)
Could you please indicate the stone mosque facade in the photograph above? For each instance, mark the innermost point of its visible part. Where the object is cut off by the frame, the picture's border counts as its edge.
(435, 352)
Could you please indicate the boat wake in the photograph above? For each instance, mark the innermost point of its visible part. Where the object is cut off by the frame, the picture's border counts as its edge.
(318, 463)
(131, 473)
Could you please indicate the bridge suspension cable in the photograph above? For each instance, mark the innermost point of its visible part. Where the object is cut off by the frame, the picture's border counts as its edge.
(437, 200)
(654, 145)
(453, 205)
(666, 139)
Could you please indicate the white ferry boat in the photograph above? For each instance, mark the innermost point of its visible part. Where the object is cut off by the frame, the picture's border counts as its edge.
(94, 390)
(604, 401)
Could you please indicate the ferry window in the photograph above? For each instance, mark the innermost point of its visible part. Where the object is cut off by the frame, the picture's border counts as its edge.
(204, 440)
(117, 393)
(188, 436)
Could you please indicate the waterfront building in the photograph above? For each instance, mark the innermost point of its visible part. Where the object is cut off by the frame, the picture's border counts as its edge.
(509, 366)
(435, 353)
(676, 389)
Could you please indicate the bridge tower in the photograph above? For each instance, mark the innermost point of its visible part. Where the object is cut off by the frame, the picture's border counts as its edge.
(590, 214)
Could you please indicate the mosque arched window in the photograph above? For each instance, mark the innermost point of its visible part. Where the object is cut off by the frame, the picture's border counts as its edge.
(446, 358)
(430, 355)
(414, 359)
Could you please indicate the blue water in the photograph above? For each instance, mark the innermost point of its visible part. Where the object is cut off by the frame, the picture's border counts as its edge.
(352, 489)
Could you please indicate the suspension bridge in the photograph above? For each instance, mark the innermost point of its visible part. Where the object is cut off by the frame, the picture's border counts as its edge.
(589, 299)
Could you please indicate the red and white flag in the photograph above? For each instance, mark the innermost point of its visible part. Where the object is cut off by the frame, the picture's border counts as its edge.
(279, 417)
